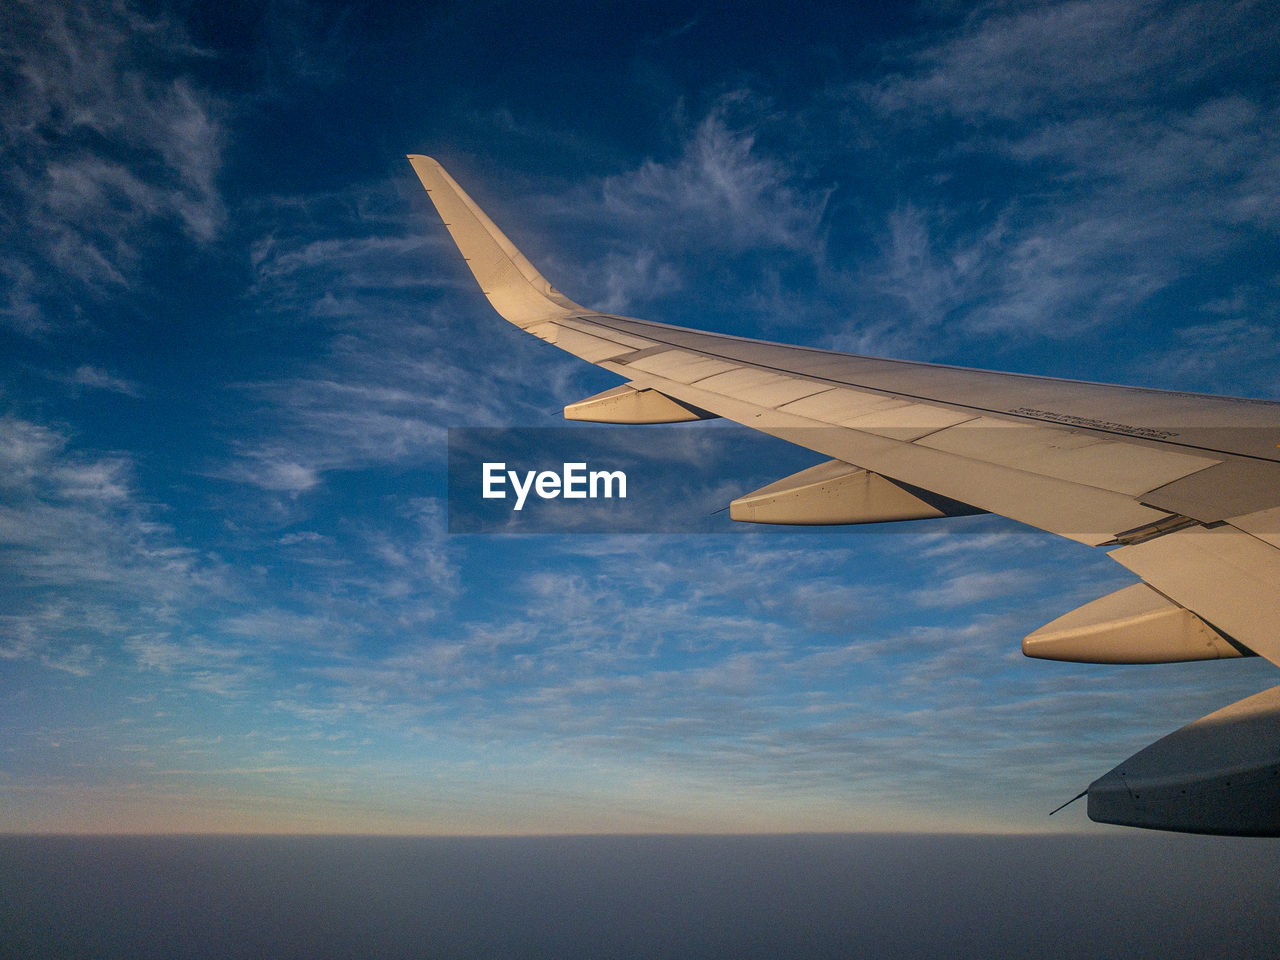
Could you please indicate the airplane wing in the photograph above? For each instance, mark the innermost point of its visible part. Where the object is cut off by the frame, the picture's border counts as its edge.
(1182, 489)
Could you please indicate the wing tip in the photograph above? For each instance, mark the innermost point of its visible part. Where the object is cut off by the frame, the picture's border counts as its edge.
(513, 285)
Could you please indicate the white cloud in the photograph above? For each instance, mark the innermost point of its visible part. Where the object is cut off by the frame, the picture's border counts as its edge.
(979, 586)
(25, 450)
(106, 140)
(1140, 168)
(720, 191)
(274, 470)
(1022, 62)
(223, 669)
(720, 197)
(97, 378)
(1237, 343)
(622, 276)
(398, 364)
(82, 550)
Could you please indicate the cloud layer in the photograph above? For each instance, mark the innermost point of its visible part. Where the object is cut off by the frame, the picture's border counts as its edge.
(109, 142)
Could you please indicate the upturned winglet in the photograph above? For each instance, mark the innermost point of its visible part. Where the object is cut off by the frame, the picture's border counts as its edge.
(513, 285)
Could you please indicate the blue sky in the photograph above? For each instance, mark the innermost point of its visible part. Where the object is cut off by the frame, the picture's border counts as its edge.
(234, 336)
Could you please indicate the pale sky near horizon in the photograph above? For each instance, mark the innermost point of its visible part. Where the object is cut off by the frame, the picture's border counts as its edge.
(234, 336)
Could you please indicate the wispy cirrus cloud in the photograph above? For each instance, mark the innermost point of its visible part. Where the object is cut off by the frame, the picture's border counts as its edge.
(662, 662)
(96, 578)
(86, 555)
(400, 324)
(223, 669)
(1021, 61)
(721, 202)
(107, 140)
(1237, 334)
(1146, 161)
(91, 377)
(720, 191)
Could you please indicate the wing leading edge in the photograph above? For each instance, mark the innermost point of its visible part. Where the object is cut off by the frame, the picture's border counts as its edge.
(1183, 488)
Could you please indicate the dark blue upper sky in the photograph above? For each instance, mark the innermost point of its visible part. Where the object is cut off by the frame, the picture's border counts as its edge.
(234, 336)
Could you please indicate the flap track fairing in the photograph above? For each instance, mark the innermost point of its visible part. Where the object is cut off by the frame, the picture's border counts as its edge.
(836, 492)
(626, 404)
(1133, 625)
